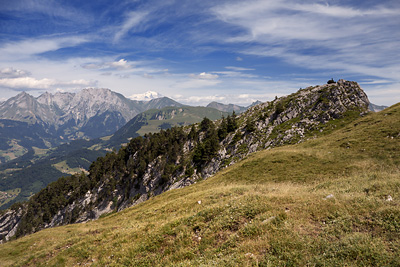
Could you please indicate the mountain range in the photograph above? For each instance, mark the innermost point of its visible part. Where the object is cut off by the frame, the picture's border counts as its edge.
(52, 119)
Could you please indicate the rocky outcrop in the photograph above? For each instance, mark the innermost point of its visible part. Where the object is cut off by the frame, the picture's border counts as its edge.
(291, 119)
(9, 222)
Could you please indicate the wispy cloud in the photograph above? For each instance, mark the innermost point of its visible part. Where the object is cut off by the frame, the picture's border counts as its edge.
(235, 74)
(30, 83)
(204, 76)
(16, 79)
(13, 73)
(134, 19)
(26, 49)
(121, 64)
(237, 68)
(314, 35)
(52, 9)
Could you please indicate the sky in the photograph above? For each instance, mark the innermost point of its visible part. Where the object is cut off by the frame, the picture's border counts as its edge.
(199, 51)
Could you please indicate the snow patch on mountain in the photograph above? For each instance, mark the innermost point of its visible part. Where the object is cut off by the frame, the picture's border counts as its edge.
(149, 95)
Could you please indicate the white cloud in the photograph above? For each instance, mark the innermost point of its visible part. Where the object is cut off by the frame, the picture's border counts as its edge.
(343, 12)
(374, 81)
(235, 74)
(13, 73)
(237, 68)
(122, 64)
(25, 49)
(30, 83)
(133, 19)
(53, 9)
(204, 76)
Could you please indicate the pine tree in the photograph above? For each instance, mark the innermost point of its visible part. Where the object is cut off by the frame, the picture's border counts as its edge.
(223, 129)
(232, 123)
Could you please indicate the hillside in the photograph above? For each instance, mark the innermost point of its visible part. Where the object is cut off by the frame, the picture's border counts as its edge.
(180, 156)
(40, 166)
(329, 201)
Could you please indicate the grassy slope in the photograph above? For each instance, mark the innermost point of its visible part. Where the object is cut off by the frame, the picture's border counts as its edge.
(270, 209)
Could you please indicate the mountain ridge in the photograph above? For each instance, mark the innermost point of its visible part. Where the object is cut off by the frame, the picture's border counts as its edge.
(181, 156)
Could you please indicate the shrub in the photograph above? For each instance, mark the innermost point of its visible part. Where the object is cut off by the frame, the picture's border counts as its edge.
(331, 81)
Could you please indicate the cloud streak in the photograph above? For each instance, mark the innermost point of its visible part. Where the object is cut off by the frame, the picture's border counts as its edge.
(26, 49)
(30, 83)
(121, 64)
(204, 76)
(134, 19)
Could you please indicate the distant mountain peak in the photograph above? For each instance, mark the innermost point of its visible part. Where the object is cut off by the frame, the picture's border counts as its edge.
(149, 95)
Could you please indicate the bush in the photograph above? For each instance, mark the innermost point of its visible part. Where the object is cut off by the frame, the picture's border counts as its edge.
(331, 81)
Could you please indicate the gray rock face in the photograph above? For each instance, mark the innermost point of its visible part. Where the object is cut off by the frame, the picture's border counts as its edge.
(9, 222)
(289, 119)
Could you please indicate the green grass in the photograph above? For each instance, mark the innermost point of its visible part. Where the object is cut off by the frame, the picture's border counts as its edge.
(271, 209)
(14, 152)
(63, 167)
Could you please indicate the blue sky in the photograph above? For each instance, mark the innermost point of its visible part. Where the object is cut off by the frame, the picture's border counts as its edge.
(199, 51)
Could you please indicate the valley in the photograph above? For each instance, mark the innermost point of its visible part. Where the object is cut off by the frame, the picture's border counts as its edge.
(37, 167)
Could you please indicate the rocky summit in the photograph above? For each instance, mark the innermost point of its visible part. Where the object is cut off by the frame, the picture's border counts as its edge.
(175, 158)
